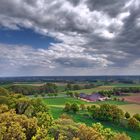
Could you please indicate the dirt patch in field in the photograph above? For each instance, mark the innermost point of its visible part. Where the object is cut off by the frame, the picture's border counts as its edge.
(133, 99)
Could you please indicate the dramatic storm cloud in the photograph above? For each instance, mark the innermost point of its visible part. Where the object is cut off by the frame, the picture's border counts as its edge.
(88, 37)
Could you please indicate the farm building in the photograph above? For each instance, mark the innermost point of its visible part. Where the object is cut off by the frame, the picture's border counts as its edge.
(93, 97)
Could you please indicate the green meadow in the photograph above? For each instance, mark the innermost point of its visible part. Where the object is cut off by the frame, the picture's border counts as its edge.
(57, 104)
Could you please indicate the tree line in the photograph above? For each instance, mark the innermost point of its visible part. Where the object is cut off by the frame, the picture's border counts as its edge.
(70, 87)
(119, 91)
(33, 90)
(47, 88)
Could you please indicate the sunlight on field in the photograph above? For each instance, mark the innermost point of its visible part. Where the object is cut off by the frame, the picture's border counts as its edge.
(88, 91)
(104, 88)
(131, 108)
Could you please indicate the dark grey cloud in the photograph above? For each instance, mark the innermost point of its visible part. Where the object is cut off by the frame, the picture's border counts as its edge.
(128, 40)
(74, 2)
(112, 7)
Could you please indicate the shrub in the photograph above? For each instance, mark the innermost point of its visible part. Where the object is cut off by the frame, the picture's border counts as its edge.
(137, 116)
(67, 107)
(134, 124)
(74, 107)
(127, 115)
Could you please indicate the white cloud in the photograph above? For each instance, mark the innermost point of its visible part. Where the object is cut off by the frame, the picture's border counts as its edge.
(89, 38)
(26, 56)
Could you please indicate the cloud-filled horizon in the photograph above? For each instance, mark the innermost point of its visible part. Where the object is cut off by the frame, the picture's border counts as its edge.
(69, 37)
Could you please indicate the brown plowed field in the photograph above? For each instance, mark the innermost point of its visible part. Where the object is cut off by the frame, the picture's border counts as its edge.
(133, 98)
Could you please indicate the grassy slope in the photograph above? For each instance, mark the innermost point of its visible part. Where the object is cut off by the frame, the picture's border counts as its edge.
(57, 104)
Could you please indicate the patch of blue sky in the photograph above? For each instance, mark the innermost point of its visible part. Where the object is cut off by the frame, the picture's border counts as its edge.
(25, 37)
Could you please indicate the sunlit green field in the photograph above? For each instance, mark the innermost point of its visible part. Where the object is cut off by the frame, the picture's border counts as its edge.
(57, 104)
(92, 90)
(62, 101)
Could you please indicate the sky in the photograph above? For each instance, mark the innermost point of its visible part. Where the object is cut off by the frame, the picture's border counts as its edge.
(69, 37)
